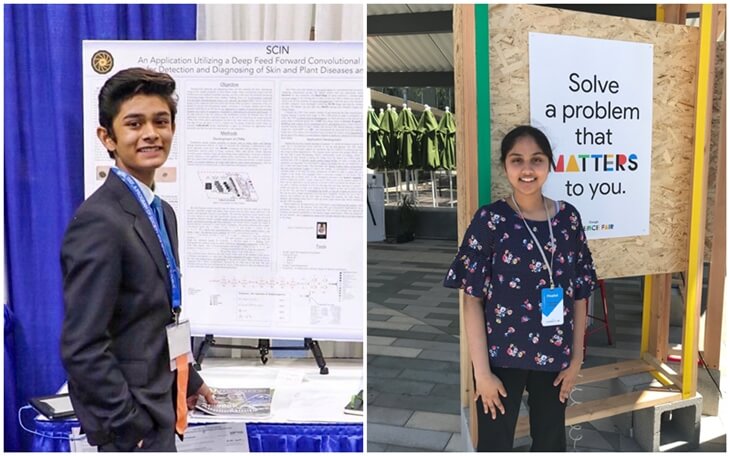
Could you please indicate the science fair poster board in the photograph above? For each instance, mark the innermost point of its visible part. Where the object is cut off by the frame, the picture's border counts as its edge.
(593, 99)
(265, 175)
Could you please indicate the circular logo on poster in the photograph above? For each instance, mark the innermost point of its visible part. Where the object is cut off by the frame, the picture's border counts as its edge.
(102, 62)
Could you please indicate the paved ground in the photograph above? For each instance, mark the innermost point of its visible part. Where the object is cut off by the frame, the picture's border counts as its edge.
(413, 354)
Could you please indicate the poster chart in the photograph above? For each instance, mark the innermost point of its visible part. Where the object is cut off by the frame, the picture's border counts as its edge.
(593, 99)
(265, 175)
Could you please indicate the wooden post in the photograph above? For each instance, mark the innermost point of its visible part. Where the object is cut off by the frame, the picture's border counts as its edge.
(673, 13)
(703, 119)
(660, 293)
(718, 258)
(658, 289)
(466, 165)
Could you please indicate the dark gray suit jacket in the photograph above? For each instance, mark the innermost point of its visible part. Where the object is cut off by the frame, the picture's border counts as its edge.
(113, 343)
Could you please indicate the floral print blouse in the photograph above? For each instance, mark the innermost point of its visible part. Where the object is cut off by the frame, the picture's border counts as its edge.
(498, 261)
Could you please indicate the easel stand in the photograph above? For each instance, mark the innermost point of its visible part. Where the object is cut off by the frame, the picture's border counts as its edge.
(264, 347)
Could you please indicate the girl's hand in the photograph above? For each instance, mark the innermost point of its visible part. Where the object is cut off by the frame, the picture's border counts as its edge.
(567, 377)
(489, 388)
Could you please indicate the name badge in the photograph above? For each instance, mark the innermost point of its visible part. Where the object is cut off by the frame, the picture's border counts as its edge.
(552, 306)
(178, 342)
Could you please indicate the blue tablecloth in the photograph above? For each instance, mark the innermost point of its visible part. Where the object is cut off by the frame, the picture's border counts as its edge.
(262, 437)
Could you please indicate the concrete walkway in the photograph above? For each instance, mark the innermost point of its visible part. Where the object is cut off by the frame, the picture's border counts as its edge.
(413, 356)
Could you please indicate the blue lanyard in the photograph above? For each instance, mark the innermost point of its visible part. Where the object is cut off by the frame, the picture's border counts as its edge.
(172, 269)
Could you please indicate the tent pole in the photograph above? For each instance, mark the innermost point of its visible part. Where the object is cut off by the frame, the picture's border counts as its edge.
(433, 189)
(398, 183)
(385, 184)
(451, 189)
(415, 180)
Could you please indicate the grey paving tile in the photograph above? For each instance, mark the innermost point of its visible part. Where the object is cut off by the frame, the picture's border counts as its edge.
(437, 322)
(384, 372)
(387, 415)
(378, 317)
(613, 439)
(406, 291)
(428, 345)
(628, 330)
(447, 391)
(612, 352)
(398, 386)
(389, 325)
(439, 355)
(387, 350)
(380, 310)
(435, 284)
(405, 320)
(426, 329)
(448, 378)
(421, 309)
(628, 444)
(380, 340)
(407, 363)
(628, 317)
(435, 421)
(456, 444)
(626, 307)
(444, 315)
(372, 395)
(401, 449)
(406, 302)
(593, 361)
(408, 438)
(421, 403)
(413, 333)
(375, 447)
(592, 440)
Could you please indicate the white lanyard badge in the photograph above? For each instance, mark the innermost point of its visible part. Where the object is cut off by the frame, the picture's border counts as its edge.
(551, 243)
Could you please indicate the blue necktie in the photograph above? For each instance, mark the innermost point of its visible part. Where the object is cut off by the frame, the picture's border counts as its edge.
(157, 207)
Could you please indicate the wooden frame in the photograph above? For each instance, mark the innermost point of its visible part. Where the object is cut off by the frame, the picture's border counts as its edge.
(655, 324)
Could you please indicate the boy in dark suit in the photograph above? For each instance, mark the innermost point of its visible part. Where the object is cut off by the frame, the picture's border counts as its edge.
(121, 285)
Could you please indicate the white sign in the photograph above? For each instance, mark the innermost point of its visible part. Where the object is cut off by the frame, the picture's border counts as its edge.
(593, 99)
(266, 177)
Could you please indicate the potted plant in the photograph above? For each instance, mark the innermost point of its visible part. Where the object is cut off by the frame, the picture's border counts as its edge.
(406, 231)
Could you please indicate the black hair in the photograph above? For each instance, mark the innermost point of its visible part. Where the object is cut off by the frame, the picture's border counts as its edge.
(130, 82)
(528, 131)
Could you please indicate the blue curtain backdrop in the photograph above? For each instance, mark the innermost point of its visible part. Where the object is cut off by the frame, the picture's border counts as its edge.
(44, 171)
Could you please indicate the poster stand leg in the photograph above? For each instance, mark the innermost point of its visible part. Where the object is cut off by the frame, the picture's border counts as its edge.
(370, 210)
(264, 347)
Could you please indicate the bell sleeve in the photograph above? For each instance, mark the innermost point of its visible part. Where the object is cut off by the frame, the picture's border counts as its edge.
(585, 272)
(472, 266)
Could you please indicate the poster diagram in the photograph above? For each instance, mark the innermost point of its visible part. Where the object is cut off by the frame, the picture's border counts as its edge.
(252, 303)
(229, 187)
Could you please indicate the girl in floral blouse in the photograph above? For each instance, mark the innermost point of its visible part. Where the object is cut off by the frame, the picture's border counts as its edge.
(526, 272)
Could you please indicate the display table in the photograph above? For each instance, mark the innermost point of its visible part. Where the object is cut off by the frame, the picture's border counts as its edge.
(306, 411)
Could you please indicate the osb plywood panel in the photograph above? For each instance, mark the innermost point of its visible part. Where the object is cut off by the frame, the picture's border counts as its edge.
(714, 144)
(676, 50)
